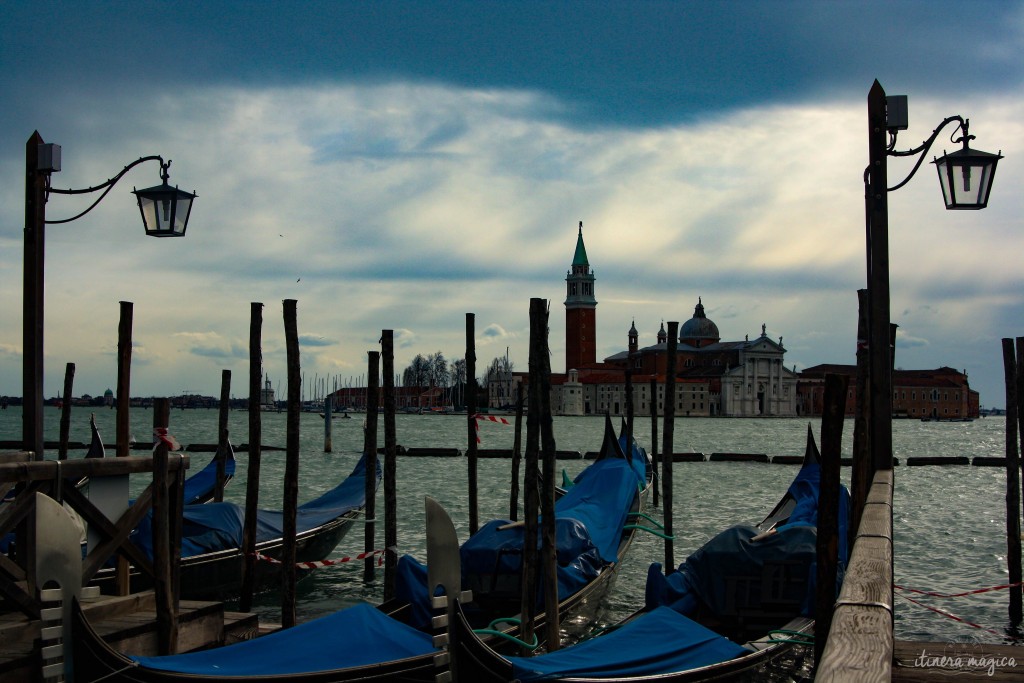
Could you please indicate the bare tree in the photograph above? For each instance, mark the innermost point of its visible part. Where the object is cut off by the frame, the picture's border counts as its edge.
(418, 373)
(457, 377)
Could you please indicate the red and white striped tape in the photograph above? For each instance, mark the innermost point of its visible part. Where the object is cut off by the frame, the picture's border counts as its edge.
(949, 615)
(976, 591)
(491, 418)
(332, 563)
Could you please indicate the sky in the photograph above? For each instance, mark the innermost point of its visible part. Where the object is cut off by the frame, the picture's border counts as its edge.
(397, 165)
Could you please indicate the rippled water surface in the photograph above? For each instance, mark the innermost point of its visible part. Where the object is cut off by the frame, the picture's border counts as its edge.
(949, 521)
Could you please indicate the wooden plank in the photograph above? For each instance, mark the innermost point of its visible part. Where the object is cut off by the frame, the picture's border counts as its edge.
(868, 579)
(859, 646)
(42, 470)
(876, 521)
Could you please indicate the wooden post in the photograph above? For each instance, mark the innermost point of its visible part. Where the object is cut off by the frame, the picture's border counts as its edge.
(860, 477)
(531, 494)
(513, 500)
(828, 507)
(668, 443)
(291, 468)
(390, 466)
(65, 411)
(222, 434)
(36, 182)
(548, 448)
(166, 618)
(471, 408)
(629, 410)
(1013, 543)
(654, 437)
(252, 483)
(328, 424)
(370, 510)
(879, 350)
(124, 375)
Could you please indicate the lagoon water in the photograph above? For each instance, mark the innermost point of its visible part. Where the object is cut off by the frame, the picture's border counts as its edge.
(949, 521)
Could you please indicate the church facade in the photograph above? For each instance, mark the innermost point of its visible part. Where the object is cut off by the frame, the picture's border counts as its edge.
(713, 378)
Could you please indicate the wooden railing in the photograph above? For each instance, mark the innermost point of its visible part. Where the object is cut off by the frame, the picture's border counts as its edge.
(860, 642)
(56, 479)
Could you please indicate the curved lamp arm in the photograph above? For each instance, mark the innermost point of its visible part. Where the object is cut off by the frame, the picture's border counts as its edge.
(108, 185)
(923, 148)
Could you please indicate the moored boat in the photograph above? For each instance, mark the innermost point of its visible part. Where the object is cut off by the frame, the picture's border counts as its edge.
(358, 643)
(211, 546)
(736, 603)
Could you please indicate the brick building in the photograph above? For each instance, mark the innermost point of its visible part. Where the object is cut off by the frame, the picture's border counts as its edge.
(940, 394)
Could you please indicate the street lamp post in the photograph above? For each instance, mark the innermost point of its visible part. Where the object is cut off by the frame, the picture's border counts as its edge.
(165, 212)
(966, 179)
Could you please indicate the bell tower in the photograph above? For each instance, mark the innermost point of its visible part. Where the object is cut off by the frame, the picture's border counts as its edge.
(580, 310)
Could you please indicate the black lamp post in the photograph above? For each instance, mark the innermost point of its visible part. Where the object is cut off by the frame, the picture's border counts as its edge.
(966, 179)
(165, 213)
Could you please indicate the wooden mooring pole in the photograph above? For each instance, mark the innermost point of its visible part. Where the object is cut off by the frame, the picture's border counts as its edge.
(668, 443)
(65, 411)
(654, 437)
(222, 435)
(828, 507)
(1013, 544)
(471, 424)
(547, 500)
(860, 476)
(124, 380)
(289, 575)
(328, 424)
(513, 500)
(252, 483)
(122, 431)
(163, 586)
(531, 472)
(390, 465)
(370, 441)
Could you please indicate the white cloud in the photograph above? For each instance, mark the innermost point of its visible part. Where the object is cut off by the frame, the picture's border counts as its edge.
(405, 207)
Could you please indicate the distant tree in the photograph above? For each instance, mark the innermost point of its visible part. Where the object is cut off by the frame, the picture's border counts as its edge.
(438, 369)
(418, 373)
(457, 377)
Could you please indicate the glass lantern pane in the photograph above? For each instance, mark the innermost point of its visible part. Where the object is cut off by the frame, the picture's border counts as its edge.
(148, 214)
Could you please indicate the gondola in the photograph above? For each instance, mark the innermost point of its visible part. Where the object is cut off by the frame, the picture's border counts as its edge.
(200, 487)
(737, 602)
(360, 643)
(211, 554)
(591, 516)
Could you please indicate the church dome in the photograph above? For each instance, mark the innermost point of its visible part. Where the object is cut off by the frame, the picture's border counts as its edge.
(699, 328)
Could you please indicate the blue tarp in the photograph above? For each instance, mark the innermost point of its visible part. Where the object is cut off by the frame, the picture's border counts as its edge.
(218, 526)
(358, 636)
(658, 642)
(202, 483)
(588, 527)
(732, 556)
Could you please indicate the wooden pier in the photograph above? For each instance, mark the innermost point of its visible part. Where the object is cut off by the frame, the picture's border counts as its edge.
(129, 622)
(148, 623)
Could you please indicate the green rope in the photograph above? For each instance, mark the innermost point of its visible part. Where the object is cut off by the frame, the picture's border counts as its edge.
(506, 636)
(650, 519)
(803, 639)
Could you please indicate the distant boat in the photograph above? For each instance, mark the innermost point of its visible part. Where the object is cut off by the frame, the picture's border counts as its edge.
(335, 416)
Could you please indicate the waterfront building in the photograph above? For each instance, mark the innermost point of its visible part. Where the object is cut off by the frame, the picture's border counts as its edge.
(940, 394)
(713, 378)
